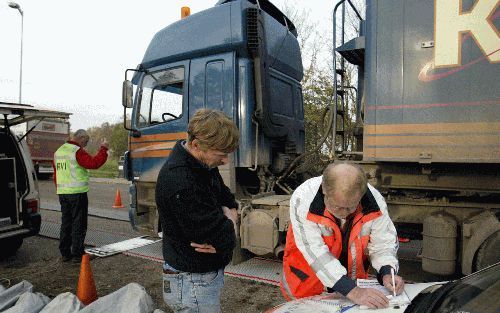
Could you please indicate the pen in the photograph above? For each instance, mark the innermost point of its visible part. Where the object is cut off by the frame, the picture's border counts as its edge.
(393, 283)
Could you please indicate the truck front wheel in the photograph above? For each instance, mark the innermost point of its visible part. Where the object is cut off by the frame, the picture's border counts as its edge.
(488, 253)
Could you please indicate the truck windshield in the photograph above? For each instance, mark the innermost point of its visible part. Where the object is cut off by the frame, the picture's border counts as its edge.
(161, 97)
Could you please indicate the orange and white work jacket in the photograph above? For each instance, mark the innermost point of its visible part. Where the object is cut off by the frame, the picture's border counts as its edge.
(314, 242)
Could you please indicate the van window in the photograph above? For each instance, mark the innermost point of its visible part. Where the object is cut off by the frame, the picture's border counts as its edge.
(161, 97)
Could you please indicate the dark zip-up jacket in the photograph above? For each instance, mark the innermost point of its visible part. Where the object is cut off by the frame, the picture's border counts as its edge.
(189, 197)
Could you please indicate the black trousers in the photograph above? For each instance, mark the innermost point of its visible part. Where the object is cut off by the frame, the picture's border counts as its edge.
(74, 209)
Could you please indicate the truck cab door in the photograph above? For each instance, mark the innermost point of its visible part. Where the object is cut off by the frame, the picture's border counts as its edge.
(160, 117)
(212, 84)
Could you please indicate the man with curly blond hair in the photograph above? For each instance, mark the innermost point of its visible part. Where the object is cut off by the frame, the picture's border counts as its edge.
(198, 214)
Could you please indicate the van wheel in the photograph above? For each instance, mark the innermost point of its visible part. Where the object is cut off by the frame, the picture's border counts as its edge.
(9, 246)
(487, 254)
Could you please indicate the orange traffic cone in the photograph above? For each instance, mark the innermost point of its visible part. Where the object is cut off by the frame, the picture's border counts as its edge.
(86, 291)
(118, 200)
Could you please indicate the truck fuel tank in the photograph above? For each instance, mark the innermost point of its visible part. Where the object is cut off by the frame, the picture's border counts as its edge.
(439, 245)
(261, 223)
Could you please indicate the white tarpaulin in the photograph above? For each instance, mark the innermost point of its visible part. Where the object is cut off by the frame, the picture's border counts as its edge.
(19, 298)
(63, 303)
(9, 297)
(29, 302)
(131, 298)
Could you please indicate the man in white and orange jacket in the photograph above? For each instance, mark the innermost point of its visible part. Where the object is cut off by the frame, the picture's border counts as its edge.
(338, 225)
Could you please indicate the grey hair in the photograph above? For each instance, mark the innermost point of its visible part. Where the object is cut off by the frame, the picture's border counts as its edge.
(80, 133)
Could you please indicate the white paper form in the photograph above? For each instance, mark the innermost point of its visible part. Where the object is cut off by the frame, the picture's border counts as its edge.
(399, 300)
(324, 303)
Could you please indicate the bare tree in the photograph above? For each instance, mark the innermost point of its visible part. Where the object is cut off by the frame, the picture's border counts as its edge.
(317, 85)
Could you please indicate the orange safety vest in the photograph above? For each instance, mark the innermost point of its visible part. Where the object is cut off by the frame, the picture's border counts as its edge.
(300, 280)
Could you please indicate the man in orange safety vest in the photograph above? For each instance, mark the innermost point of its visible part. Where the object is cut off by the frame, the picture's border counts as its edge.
(339, 224)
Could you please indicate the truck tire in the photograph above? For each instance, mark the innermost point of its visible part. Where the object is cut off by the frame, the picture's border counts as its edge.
(10, 246)
(488, 253)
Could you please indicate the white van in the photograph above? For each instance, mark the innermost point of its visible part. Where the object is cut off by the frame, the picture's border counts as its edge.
(19, 211)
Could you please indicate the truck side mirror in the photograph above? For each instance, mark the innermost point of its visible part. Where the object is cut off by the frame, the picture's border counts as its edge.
(127, 94)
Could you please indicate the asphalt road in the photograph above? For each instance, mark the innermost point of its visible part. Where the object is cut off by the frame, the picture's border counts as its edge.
(37, 261)
(101, 195)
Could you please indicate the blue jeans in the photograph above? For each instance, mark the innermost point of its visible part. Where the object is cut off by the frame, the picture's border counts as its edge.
(193, 292)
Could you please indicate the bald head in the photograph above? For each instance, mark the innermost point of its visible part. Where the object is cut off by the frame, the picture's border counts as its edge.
(344, 178)
(81, 137)
(80, 133)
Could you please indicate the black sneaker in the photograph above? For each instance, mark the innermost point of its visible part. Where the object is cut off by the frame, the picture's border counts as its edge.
(66, 258)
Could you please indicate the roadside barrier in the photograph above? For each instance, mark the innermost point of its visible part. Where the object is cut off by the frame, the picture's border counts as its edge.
(86, 290)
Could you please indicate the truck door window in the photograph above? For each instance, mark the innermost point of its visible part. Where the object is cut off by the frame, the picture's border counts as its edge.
(161, 97)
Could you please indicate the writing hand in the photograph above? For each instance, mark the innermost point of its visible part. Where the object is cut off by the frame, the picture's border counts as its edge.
(400, 284)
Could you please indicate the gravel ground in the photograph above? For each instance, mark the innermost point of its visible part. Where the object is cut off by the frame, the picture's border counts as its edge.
(37, 261)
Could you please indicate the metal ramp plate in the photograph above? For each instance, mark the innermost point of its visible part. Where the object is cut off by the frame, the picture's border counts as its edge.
(119, 247)
(257, 269)
(94, 237)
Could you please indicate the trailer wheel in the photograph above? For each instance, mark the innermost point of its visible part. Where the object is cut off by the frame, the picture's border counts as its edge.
(488, 253)
(9, 246)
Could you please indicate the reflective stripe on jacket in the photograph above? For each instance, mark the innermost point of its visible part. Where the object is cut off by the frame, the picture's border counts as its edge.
(312, 259)
(71, 178)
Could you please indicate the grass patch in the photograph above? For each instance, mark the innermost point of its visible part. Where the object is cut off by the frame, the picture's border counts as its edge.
(108, 170)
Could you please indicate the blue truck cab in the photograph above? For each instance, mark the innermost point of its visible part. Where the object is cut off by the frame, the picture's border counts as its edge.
(241, 57)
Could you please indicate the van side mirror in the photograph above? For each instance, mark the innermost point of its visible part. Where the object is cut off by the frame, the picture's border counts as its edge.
(127, 92)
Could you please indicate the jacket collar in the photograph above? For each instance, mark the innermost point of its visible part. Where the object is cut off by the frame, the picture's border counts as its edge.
(73, 143)
(180, 157)
(368, 203)
(318, 204)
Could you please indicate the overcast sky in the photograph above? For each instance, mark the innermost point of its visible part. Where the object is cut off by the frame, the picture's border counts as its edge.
(75, 52)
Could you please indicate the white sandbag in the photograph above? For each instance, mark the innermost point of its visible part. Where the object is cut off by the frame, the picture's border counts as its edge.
(29, 302)
(63, 303)
(9, 296)
(131, 298)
